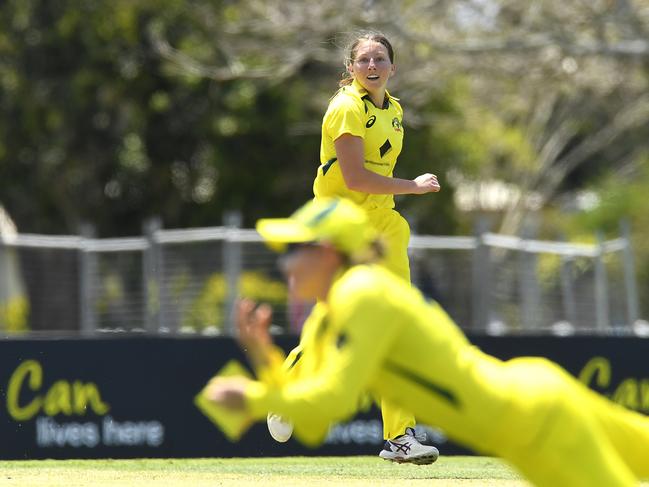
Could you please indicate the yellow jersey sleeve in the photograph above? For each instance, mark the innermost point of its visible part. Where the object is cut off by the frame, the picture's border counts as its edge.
(345, 115)
(354, 348)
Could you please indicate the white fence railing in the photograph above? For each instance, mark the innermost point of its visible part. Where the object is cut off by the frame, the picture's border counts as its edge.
(188, 280)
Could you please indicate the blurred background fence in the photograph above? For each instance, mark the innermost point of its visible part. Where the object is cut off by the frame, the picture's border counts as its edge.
(186, 281)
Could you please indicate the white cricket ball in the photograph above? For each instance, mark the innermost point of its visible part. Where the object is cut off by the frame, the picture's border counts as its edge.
(279, 428)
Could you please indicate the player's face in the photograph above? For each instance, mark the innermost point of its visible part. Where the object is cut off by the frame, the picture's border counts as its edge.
(371, 66)
(309, 269)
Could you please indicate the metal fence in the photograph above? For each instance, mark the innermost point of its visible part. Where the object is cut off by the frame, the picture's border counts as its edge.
(188, 280)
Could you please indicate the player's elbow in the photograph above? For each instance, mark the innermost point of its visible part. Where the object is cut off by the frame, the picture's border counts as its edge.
(354, 174)
(356, 182)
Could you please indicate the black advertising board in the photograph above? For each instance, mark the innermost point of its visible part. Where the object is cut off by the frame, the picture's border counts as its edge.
(130, 397)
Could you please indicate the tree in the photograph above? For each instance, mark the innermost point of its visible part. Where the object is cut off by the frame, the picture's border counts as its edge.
(542, 90)
(190, 108)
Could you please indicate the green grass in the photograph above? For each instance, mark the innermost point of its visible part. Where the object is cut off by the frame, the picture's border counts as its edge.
(244, 472)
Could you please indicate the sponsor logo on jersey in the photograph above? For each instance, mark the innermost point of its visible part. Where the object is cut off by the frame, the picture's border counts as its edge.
(371, 121)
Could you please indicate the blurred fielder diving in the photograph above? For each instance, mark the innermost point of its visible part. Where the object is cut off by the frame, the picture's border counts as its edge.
(379, 335)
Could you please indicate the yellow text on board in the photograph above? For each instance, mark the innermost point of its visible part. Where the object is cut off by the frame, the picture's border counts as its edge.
(632, 393)
(62, 397)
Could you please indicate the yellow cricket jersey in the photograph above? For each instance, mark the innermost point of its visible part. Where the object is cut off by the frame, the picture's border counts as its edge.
(378, 335)
(351, 111)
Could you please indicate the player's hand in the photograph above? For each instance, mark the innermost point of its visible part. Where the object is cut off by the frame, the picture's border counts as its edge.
(228, 392)
(426, 183)
(252, 324)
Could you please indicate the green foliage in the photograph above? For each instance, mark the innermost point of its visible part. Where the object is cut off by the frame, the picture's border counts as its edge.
(13, 314)
(621, 199)
(108, 114)
(437, 147)
(207, 309)
(88, 101)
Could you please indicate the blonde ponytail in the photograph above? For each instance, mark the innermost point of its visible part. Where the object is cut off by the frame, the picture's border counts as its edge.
(345, 79)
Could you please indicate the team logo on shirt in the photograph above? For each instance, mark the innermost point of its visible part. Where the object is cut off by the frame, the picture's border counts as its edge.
(370, 121)
(396, 123)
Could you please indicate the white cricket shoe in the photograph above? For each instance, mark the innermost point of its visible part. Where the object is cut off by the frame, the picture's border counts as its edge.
(407, 449)
(279, 428)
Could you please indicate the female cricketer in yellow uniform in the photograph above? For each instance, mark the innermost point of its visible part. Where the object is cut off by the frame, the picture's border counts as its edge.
(379, 334)
(362, 136)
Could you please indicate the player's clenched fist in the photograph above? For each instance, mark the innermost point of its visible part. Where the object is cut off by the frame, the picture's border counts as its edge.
(426, 183)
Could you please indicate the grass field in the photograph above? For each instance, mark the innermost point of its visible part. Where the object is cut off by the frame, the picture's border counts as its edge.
(248, 472)
(245, 472)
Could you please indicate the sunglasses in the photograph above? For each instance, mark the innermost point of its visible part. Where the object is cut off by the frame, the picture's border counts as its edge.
(292, 248)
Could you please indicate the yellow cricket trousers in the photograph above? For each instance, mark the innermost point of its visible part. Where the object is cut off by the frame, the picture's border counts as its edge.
(395, 233)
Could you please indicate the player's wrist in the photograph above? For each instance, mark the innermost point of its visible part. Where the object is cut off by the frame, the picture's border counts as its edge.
(414, 187)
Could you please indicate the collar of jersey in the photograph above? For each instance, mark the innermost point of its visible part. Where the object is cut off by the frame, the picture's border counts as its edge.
(362, 93)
